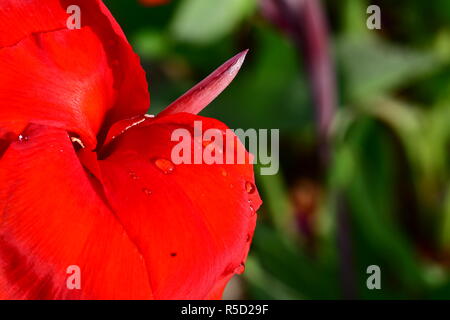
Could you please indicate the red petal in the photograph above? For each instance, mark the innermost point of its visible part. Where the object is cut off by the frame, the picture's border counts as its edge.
(72, 79)
(197, 98)
(182, 231)
(52, 216)
(192, 223)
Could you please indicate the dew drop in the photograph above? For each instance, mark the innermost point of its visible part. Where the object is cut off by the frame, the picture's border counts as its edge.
(166, 166)
(252, 209)
(22, 138)
(250, 187)
(147, 191)
(77, 143)
(133, 175)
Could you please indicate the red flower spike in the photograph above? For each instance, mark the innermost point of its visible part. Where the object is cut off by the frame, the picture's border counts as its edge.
(137, 225)
(197, 98)
(193, 101)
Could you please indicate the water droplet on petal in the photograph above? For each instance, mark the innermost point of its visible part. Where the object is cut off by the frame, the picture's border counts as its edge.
(77, 143)
(252, 210)
(146, 191)
(250, 187)
(133, 175)
(22, 138)
(166, 166)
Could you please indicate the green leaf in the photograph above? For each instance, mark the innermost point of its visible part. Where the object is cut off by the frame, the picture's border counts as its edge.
(204, 21)
(354, 18)
(283, 260)
(379, 236)
(265, 286)
(150, 44)
(276, 201)
(371, 67)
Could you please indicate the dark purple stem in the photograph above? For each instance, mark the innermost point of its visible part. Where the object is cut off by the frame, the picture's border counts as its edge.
(305, 22)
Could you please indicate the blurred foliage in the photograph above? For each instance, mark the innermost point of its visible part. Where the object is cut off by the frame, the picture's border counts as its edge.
(391, 138)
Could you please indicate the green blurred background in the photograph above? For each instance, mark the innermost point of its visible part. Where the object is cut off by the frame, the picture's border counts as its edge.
(383, 197)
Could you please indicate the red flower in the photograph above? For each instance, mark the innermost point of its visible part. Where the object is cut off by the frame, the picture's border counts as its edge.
(86, 178)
